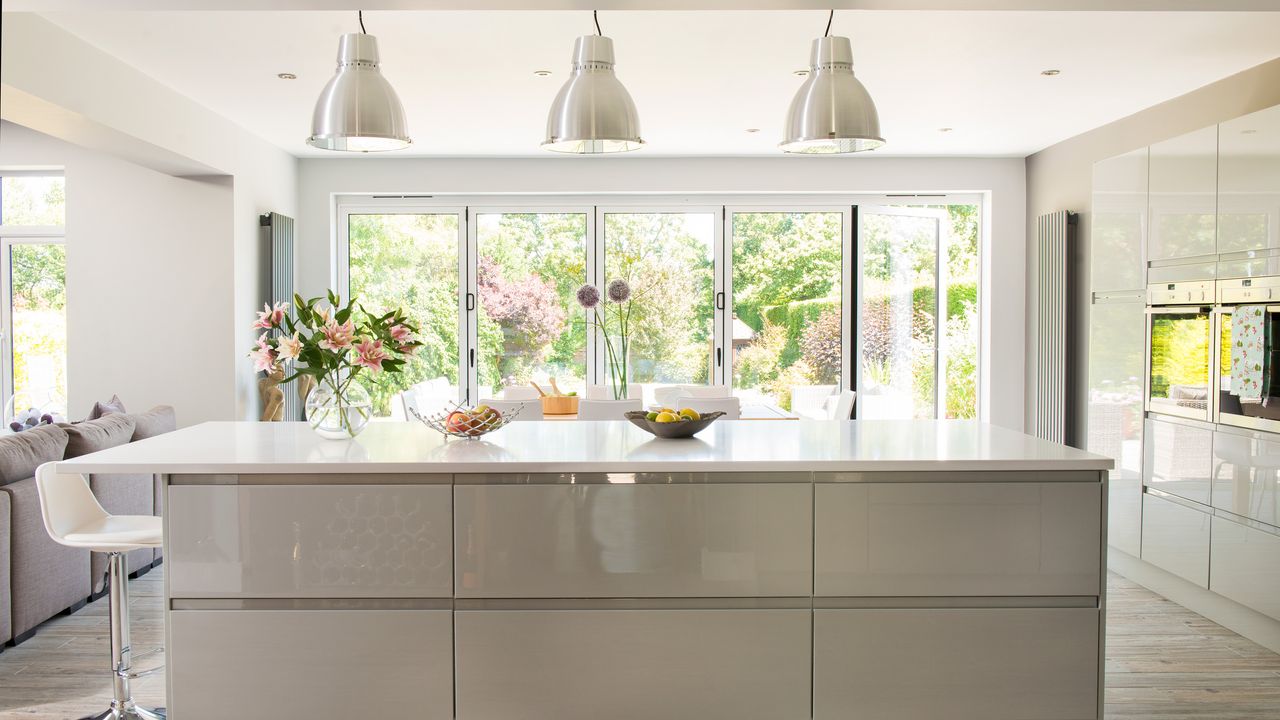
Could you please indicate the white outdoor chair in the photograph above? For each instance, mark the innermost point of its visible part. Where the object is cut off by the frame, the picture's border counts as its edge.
(666, 396)
(730, 406)
(842, 408)
(527, 409)
(519, 392)
(635, 391)
(607, 409)
(73, 517)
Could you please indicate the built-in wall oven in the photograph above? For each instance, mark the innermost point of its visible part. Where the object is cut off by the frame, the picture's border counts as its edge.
(1180, 321)
(1248, 367)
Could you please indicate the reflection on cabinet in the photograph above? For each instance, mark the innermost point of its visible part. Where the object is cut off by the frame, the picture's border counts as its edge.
(1179, 458)
(953, 539)
(310, 541)
(634, 540)
(1176, 538)
(1246, 566)
(1116, 366)
(1249, 182)
(633, 664)
(1183, 197)
(1246, 478)
(1119, 223)
(375, 663)
(958, 664)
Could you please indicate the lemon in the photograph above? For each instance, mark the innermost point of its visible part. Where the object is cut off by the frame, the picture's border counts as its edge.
(667, 409)
(665, 417)
(690, 413)
(651, 416)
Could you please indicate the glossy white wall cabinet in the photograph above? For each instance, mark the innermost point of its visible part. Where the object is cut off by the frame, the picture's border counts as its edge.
(958, 664)
(1118, 233)
(952, 539)
(310, 664)
(1179, 458)
(1246, 478)
(1176, 538)
(306, 541)
(1183, 199)
(633, 664)
(1246, 566)
(633, 540)
(1117, 329)
(1249, 183)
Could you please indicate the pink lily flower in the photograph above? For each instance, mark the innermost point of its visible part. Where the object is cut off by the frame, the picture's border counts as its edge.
(271, 316)
(338, 337)
(370, 354)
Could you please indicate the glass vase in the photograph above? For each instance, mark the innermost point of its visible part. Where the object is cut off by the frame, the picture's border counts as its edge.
(338, 415)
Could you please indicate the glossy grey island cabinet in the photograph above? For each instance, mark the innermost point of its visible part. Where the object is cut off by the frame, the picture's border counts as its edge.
(578, 571)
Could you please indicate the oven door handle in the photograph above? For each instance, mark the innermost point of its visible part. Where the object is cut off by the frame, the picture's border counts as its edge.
(1178, 309)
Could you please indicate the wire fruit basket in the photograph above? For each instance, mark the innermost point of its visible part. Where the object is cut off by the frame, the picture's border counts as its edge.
(465, 422)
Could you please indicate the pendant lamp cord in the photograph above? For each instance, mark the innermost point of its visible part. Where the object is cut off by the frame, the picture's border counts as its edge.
(595, 16)
(830, 17)
(360, 15)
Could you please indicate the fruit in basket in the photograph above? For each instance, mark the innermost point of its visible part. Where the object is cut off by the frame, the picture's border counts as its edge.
(486, 415)
(472, 422)
(667, 417)
(690, 414)
(651, 416)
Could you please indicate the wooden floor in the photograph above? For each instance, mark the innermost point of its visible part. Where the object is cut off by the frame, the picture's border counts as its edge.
(1163, 662)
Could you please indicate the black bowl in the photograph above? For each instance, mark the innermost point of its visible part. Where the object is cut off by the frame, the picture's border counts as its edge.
(673, 430)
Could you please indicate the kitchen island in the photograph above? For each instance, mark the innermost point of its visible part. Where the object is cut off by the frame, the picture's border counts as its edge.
(580, 571)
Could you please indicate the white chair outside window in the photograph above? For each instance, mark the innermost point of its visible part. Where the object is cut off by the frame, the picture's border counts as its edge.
(730, 406)
(519, 392)
(635, 391)
(842, 408)
(607, 409)
(666, 396)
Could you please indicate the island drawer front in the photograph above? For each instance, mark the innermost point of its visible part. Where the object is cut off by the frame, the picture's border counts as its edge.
(579, 541)
(1175, 537)
(633, 664)
(306, 541)
(311, 664)
(956, 664)
(957, 539)
(1245, 566)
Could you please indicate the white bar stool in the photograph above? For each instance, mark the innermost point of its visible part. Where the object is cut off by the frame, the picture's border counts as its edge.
(73, 517)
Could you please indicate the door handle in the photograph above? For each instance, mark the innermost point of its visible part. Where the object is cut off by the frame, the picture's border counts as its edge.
(719, 357)
(720, 300)
(471, 302)
(472, 353)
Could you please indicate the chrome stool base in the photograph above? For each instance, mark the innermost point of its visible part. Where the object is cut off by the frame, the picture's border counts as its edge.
(135, 712)
(122, 705)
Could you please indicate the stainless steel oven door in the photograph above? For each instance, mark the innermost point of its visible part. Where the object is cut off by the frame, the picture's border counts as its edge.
(1179, 361)
(1229, 409)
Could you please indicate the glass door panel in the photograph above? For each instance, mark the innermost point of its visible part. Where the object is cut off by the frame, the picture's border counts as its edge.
(410, 260)
(38, 312)
(786, 326)
(529, 326)
(669, 260)
(898, 339)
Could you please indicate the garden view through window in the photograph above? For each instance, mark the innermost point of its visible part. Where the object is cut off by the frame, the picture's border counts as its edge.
(497, 303)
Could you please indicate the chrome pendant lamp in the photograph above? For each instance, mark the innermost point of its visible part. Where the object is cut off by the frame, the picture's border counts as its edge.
(593, 113)
(832, 112)
(358, 111)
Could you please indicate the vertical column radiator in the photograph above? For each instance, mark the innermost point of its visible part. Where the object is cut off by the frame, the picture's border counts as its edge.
(1055, 333)
(278, 269)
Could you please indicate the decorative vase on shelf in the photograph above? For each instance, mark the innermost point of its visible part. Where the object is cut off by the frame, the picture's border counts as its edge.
(339, 415)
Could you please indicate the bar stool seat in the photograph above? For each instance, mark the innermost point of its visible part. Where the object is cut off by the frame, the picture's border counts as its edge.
(73, 517)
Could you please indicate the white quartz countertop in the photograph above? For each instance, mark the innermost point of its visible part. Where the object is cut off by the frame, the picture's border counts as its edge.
(576, 446)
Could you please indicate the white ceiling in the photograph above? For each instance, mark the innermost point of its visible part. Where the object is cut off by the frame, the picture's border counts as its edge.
(699, 79)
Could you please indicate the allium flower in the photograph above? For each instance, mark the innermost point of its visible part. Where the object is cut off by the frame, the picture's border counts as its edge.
(264, 358)
(588, 296)
(370, 354)
(338, 337)
(399, 333)
(618, 291)
(289, 347)
(271, 316)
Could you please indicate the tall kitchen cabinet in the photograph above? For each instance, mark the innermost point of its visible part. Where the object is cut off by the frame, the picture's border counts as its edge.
(1117, 331)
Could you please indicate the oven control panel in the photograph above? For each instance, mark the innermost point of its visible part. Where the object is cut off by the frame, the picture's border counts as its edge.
(1242, 291)
(1196, 292)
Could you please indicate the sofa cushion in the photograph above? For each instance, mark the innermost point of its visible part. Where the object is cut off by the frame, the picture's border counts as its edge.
(156, 421)
(106, 407)
(6, 592)
(21, 453)
(91, 436)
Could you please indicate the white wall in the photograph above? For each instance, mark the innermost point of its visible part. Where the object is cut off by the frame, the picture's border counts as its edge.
(54, 82)
(147, 258)
(1000, 179)
(1059, 177)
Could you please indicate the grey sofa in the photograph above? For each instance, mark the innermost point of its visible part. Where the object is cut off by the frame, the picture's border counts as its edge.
(38, 577)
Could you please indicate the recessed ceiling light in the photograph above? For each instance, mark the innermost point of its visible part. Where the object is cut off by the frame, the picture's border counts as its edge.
(287, 76)
(753, 130)
(1050, 72)
(542, 73)
(944, 130)
(801, 73)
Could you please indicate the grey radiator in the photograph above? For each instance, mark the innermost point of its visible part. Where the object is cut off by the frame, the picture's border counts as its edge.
(1055, 371)
(278, 269)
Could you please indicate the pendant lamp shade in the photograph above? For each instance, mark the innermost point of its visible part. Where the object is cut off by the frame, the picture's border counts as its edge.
(832, 112)
(593, 112)
(358, 111)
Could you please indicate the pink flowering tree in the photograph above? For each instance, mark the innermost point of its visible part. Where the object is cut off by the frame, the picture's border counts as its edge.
(527, 311)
